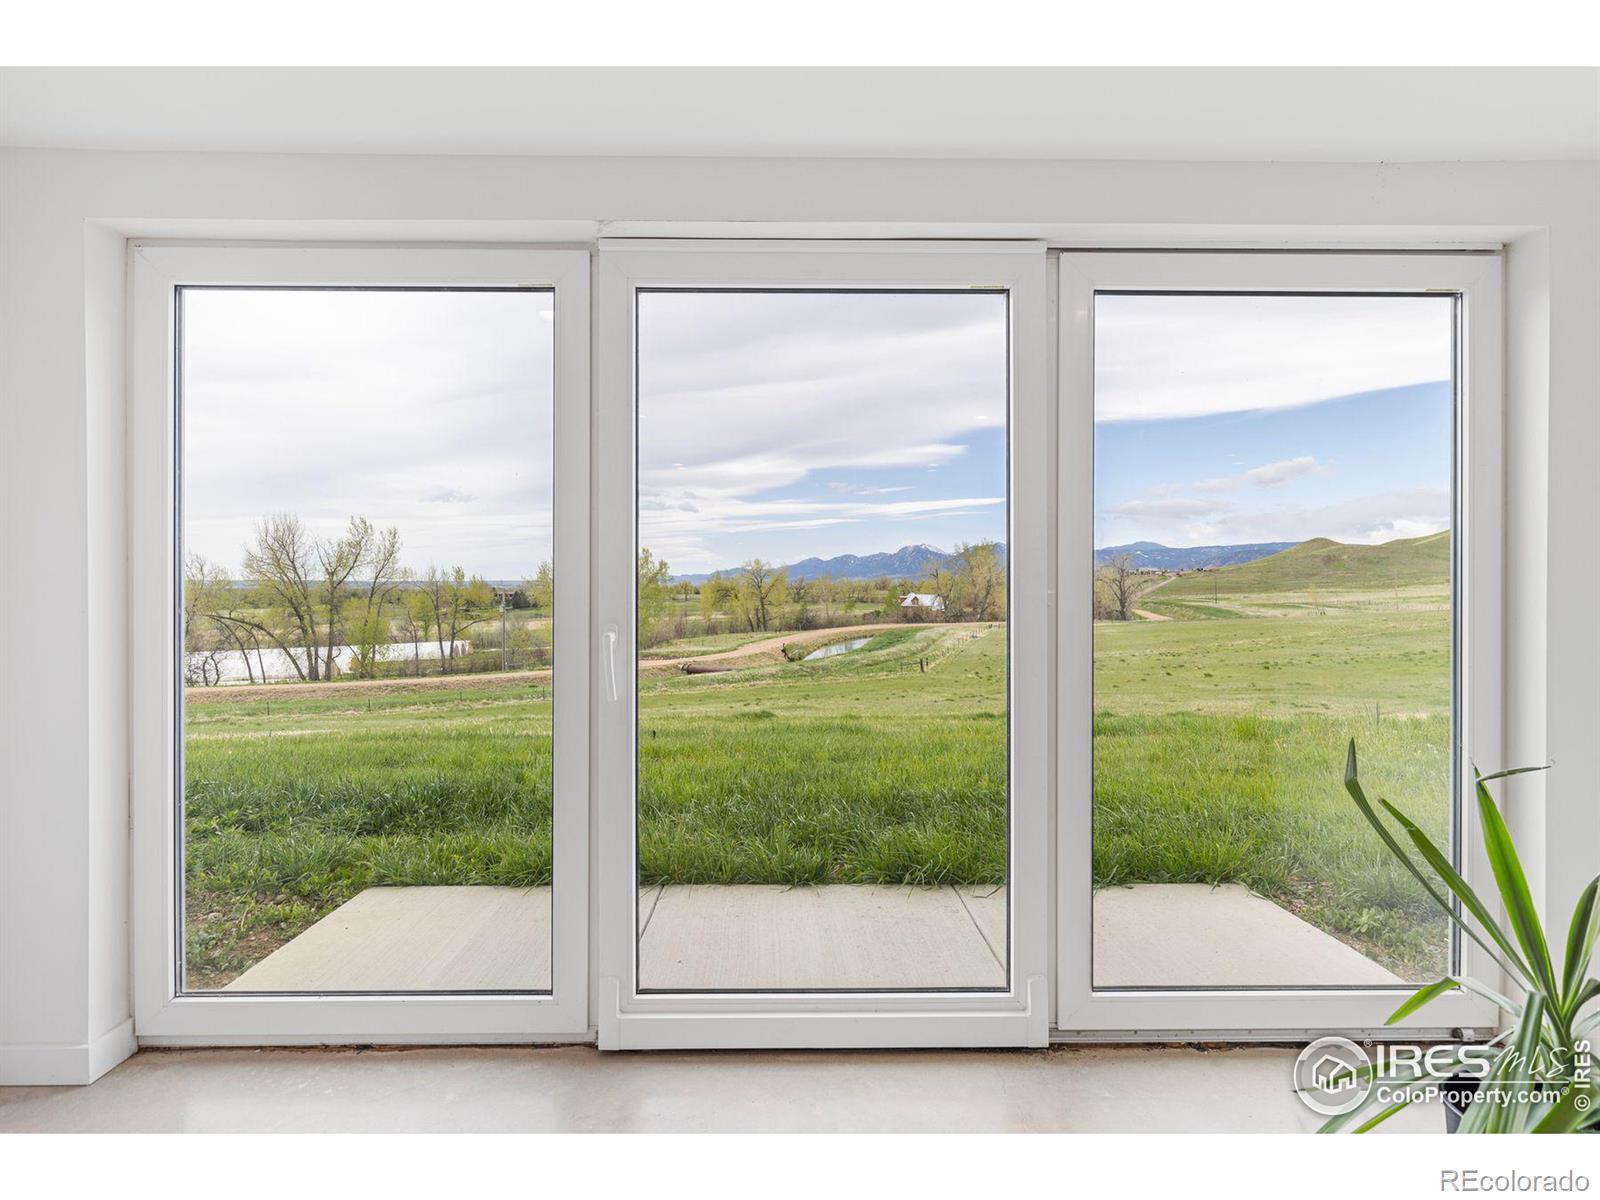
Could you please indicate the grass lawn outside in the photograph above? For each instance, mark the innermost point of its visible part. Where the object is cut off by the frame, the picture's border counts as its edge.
(1219, 746)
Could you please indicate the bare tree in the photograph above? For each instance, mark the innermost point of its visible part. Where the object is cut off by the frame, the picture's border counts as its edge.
(1122, 585)
(305, 581)
(278, 563)
(455, 603)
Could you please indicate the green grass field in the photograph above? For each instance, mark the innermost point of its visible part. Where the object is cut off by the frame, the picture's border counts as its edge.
(1219, 743)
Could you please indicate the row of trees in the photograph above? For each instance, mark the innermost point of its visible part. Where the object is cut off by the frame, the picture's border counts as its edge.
(327, 606)
(320, 599)
(759, 596)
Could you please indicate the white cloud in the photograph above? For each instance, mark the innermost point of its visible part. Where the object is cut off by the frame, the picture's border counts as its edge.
(1159, 356)
(1268, 475)
(429, 411)
(1169, 506)
(1276, 474)
(1368, 519)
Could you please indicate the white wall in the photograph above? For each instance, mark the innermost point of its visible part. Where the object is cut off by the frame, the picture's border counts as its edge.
(63, 791)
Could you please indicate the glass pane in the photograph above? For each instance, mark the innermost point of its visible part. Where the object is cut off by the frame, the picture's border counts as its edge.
(366, 659)
(822, 676)
(1274, 482)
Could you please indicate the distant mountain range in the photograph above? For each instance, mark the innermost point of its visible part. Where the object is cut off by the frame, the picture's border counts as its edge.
(1153, 556)
(908, 562)
(919, 561)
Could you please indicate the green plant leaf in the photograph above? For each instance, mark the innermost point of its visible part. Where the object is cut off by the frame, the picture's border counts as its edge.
(1509, 771)
(1518, 1109)
(1580, 941)
(1575, 1111)
(1463, 891)
(1505, 1003)
(1373, 1122)
(1352, 784)
(1514, 893)
(1423, 995)
(1587, 992)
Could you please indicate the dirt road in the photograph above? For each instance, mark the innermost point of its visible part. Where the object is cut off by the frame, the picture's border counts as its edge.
(771, 649)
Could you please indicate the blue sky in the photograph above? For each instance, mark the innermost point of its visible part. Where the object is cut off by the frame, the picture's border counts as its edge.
(1257, 418)
(1363, 468)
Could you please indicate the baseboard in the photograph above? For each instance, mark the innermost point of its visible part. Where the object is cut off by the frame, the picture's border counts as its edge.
(64, 1064)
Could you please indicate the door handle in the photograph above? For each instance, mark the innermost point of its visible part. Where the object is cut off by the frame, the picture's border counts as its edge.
(611, 663)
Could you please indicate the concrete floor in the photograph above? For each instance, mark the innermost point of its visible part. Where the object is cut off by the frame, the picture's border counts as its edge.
(760, 936)
(578, 1089)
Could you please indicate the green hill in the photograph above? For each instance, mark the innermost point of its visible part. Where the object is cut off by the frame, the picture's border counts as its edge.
(1324, 564)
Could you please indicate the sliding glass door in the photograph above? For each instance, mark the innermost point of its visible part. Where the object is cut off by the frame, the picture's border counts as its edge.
(363, 759)
(813, 664)
(840, 614)
(1288, 492)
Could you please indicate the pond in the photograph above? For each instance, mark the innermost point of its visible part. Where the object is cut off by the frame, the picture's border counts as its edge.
(837, 648)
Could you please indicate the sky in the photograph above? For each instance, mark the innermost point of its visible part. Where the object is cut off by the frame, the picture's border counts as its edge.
(1235, 419)
(783, 425)
(428, 411)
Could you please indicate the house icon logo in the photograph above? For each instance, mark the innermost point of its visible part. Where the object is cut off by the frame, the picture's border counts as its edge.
(1333, 1075)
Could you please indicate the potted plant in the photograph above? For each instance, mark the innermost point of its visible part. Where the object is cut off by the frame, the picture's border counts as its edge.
(1548, 1034)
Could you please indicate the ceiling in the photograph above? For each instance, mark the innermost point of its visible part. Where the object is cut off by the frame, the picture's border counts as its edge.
(1337, 114)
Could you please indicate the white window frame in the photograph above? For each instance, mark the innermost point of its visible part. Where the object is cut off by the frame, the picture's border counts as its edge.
(1018, 1015)
(162, 1013)
(1476, 279)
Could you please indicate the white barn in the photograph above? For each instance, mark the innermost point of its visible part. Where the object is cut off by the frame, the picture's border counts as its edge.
(923, 600)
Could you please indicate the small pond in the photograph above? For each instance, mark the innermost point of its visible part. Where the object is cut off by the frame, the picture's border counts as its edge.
(837, 648)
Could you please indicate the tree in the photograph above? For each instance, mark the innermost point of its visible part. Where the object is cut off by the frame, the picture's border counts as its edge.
(416, 623)
(367, 613)
(278, 563)
(541, 589)
(652, 594)
(714, 597)
(456, 602)
(304, 584)
(1122, 586)
(761, 589)
(979, 590)
(945, 584)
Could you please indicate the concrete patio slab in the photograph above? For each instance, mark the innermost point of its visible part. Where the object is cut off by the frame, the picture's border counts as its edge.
(402, 939)
(740, 937)
(1156, 935)
(714, 937)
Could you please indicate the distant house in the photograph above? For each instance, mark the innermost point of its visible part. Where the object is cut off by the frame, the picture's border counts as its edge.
(923, 600)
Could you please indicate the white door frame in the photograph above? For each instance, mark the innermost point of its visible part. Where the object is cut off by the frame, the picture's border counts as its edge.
(1016, 1016)
(1475, 279)
(163, 1013)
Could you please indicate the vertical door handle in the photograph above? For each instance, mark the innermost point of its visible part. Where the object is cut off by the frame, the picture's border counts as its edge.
(611, 663)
